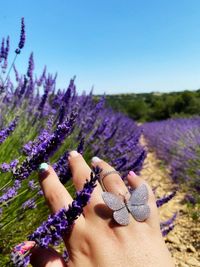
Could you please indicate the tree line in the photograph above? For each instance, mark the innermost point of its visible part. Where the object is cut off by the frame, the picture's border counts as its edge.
(156, 106)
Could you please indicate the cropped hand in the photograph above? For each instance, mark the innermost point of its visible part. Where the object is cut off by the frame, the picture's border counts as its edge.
(96, 240)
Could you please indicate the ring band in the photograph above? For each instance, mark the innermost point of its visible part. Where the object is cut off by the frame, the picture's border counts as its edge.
(106, 174)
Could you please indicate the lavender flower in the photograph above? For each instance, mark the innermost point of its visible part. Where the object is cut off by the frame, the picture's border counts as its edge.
(10, 192)
(22, 37)
(16, 73)
(7, 48)
(167, 230)
(32, 185)
(62, 168)
(14, 163)
(7, 131)
(23, 87)
(68, 94)
(165, 199)
(178, 148)
(169, 221)
(2, 52)
(5, 167)
(51, 231)
(80, 147)
(65, 255)
(41, 79)
(46, 148)
(29, 204)
(30, 66)
(47, 89)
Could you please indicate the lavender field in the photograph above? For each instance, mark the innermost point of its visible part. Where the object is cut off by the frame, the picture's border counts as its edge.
(42, 123)
(177, 143)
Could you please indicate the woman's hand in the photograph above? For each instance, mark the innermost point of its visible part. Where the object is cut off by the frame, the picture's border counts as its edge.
(96, 240)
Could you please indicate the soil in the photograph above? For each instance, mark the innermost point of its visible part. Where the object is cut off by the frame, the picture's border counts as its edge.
(184, 240)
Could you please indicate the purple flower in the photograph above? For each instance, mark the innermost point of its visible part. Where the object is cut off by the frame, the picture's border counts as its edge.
(167, 230)
(65, 255)
(22, 37)
(14, 163)
(30, 66)
(46, 149)
(7, 48)
(16, 73)
(32, 185)
(2, 51)
(10, 192)
(5, 167)
(40, 193)
(51, 231)
(4, 133)
(168, 222)
(29, 204)
(68, 94)
(62, 168)
(49, 82)
(165, 199)
(42, 77)
(80, 147)
(176, 142)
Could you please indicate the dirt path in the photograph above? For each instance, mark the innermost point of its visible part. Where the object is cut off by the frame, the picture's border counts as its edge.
(184, 240)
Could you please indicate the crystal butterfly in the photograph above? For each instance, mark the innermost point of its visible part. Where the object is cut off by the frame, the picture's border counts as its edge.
(136, 205)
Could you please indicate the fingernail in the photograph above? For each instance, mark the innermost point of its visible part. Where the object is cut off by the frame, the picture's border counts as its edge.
(73, 154)
(24, 247)
(43, 167)
(96, 159)
(131, 173)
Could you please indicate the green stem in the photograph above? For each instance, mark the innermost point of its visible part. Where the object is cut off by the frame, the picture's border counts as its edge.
(5, 203)
(10, 69)
(9, 182)
(9, 222)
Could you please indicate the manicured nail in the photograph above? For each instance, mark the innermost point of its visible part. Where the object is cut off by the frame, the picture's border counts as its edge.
(43, 167)
(131, 173)
(24, 247)
(73, 154)
(96, 159)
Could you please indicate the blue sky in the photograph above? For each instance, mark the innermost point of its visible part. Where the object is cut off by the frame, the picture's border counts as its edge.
(115, 46)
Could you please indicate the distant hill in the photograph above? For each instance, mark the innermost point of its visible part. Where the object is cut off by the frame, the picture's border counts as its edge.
(156, 105)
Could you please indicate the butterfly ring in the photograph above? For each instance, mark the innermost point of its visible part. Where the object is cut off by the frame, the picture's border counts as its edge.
(136, 205)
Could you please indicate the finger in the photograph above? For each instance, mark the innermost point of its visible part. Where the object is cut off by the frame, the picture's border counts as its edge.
(55, 193)
(134, 182)
(46, 257)
(58, 197)
(111, 182)
(80, 172)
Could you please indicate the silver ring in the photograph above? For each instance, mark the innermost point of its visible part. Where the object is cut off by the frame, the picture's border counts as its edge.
(136, 205)
(106, 174)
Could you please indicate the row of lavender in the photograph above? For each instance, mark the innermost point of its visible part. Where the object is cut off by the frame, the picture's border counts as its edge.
(40, 123)
(177, 142)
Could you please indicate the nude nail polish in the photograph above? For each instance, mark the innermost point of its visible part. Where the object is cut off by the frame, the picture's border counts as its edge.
(96, 159)
(73, 154)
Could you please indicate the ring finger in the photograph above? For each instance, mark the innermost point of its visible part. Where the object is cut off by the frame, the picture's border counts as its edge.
(110, 179)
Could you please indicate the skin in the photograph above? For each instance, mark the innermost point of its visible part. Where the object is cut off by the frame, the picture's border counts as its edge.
(96, 240)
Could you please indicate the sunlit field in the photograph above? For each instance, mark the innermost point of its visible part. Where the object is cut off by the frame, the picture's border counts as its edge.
(40, 122)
